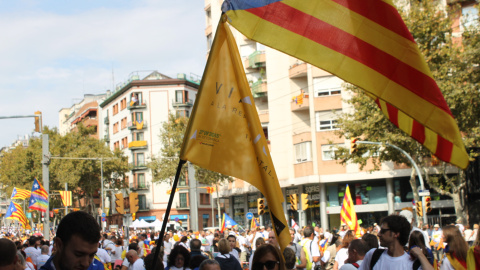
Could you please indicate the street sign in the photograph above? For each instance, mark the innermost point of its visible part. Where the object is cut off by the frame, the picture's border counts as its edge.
(104, 215)
(104, 219)
(177, 219)
(249, 215)
(424, 192)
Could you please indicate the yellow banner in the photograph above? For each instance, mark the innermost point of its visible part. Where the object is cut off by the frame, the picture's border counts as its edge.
(224, 132)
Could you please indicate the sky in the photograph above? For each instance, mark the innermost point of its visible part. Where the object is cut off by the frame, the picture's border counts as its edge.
(54, 52)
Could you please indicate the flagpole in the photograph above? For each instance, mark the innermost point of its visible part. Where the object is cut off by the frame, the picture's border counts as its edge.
(159, 243)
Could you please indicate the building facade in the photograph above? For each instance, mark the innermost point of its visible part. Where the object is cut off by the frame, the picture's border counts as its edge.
(298, 106)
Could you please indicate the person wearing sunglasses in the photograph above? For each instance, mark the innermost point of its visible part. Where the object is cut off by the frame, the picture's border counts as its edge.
(394, 233)
(267, 257)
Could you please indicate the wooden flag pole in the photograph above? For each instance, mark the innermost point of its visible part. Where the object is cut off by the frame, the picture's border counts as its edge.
(159, 243)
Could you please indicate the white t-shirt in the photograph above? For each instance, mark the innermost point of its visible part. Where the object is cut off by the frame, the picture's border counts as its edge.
(118, 253)
(467, 236)
(234, 253)
(137, 265)
(167, 249)
(41, 260)
(387, 262)
(350, 266)
(32, 253)
(103, 255)
(341, 256)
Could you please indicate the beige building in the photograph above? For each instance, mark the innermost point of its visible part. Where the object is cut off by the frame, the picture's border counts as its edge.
(297, 105)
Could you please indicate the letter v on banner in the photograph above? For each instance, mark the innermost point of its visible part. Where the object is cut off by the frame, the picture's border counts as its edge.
(239, 147)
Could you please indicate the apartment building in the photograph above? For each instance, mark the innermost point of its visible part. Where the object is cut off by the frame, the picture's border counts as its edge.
(84, 111)
(132, 119)
(297, 105)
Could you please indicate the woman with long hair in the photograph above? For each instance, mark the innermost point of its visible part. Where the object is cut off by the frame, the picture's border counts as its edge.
(269, 257)
(455, 256)
(342, 254)
(417, 240)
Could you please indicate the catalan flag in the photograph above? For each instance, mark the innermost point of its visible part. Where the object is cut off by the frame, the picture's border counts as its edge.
(20, 194)
(227, 221)
(367, 44)
(347, 213)
(139, 125)
(224, 132)
(38, 198)
(254, 224)
(66, 197)
(15, 211)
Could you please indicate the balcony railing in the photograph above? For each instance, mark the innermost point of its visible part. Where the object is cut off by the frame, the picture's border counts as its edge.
(107, 137)
(140, 104)
(138, 166)
(256, 60)
(139, 186)
(137, 126)
(137, 145)
(106, 120)
(182, 103)
(259, 88)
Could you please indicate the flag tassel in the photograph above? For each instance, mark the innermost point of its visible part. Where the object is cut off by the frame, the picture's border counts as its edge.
(159, 243)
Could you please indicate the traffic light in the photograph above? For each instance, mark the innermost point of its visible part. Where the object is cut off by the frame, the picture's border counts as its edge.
(133, 202)
(119, 205)
(353, 145)
(38, 121)
(304, 201)
(261, 206)
(419, 209)
(428, 204)
(293, 201)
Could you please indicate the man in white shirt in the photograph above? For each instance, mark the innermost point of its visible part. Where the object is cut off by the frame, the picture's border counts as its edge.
(43, 258)
(31, 251)
(437, 236)
(394, 233)
(103, 255)
(313, 253)
(244, 245)
(232, 240)
(356, 252)
(135, 263)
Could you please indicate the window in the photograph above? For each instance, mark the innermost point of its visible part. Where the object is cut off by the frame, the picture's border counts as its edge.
(137, 116)
(124, 142)
(140, 159)
(183, 200)
(326, 120)
(136, 99)
(181, 181)
(123, 104)
(124, 123)
(141, 180)
(303, 152)
(181, 96)
(205, 198)
(115, 109)
(142, 202)
(328, 152)
(327, 86)
(115, 128)
(182, 113)
(209, 41)
(138, 136)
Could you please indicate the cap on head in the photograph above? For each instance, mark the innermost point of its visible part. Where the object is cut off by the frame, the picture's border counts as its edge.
(436, 226)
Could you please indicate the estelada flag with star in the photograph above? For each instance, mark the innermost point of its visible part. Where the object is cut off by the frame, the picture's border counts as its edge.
(38, 198)
(224, 132)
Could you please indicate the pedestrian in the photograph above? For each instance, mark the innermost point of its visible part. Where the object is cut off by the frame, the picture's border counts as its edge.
(9, 259)
(209, 265)
(268, 257)
(232, 241)
(226, 260)
(473, 255)
(178, 259)
(356, 252)
(312, 252)
(136, 263)
(437, 242)
(43, 258)
(258, 243)
(290, 259)
(342, 254)
(76, 243)
(469, 233)
(393, 234)
(455, 256)
(372, 240)
(301, 259)
(416, 240)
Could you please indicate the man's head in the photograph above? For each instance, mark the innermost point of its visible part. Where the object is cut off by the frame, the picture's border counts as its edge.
(272, 239)
(195, 244)
(393, 229)
(262, 228)
(232, 241)
(9, 258)
(76, 241)
(209, 265)
(132, 256)
(308, 232)
(436, 227)
(44, 249)
(357, 250)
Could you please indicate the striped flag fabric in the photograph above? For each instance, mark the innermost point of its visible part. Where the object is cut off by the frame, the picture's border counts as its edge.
(66, 197)
(38, 198)
(254, 224)
(348, 214)
(15, 211)
(227, 221)
(366, 43)
(20, 194)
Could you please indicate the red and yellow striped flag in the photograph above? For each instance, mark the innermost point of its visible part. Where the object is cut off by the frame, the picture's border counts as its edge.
(348, 214)
(367, 44)
(20, 194)
(66, 197)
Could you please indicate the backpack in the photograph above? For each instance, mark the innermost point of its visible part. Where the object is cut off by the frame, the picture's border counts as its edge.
(378, 252)
(308, 253)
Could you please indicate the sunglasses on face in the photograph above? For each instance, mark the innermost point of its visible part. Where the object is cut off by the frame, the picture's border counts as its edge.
(382, 231)
(268, 264)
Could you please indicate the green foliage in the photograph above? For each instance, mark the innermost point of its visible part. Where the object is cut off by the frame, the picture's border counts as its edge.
(19, 166)
(164, 167)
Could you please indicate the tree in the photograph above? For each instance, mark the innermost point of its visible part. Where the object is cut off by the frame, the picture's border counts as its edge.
(164, 167)
(19, 166)
(456, 74)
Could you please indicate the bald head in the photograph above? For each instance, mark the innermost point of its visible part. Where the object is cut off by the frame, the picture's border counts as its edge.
(132, 256)
(8, 251)
(272, 239)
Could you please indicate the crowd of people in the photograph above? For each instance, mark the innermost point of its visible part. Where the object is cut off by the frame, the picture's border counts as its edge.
(394, 243)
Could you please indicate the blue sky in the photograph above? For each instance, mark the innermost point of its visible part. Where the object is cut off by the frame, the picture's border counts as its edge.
(54, 52)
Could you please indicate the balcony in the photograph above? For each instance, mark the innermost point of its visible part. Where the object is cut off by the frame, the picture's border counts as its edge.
(141, 104)
(259, 88)
(106, 120)
(137, 145)
(137, 126)
(137, 166)
(300, 103)
(182, 103)
(255, 60)
(139, 186)
(107, 137)
(298, 70)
